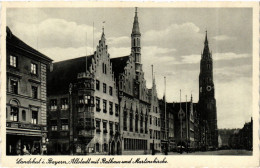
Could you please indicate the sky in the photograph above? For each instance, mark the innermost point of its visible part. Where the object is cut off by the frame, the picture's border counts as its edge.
(172, 40)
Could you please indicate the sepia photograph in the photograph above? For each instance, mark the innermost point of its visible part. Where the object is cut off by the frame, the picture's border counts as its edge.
(132, 80)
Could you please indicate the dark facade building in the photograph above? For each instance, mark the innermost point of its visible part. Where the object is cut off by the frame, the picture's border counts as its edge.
(186, 128)
(207, 101)
(242, 138)
(26, 98)
(168, 127)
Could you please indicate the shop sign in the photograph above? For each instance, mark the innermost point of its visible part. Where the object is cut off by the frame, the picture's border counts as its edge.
(25, 126)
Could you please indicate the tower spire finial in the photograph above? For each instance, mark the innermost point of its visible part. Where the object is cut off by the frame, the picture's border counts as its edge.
(136, 24)
(103, 27)
(206, 38)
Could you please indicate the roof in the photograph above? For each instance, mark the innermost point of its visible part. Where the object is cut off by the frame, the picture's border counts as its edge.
(11, 39)
(176, 106)
(118, 65)
(66, 72)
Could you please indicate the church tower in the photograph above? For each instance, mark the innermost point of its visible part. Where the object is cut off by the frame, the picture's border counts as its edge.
(136, 43)
(207, 101)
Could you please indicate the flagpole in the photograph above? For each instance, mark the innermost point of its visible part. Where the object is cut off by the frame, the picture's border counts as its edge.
(187, 134)
(93, 37)
(165, 106)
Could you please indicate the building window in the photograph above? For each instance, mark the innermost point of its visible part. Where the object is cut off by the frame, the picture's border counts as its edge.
(150, 120)
(104, 68)
(34, 117)
(64, 104)
(14, 114)
(151, 134)
(81, 100)
(117, 127)
(97, 126)
(136, 122)
(97, 104)
(116, 110)
(105, 127)
(104, 88)
(104, 106)
(110, 108)
(111, 127)
(24, 115)
(125, 120)
(34, 92)
(131, 121)
(34, 68)
(146, 120)
(54, 126)
(110, 91)
(64, 124)
(97, 147)
(105, 147)
(97, 85)
(14, 87)
(141, 123)
(54, 104)
(13, 61)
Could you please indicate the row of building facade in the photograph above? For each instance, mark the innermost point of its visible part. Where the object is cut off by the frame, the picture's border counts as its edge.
(95, 104)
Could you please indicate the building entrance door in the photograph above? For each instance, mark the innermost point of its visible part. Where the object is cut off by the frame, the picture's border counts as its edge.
(112, 148)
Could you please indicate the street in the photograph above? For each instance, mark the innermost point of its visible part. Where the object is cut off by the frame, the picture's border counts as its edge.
(218, 152)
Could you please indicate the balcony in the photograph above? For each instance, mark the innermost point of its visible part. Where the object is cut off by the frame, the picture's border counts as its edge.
(98, 130)
(105, 111)
(117, 114)
(86, 134)
(111, 112)
(98, 109)
(104, 131)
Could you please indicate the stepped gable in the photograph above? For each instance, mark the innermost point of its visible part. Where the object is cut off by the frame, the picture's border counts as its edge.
(65, 72)
(118, 65)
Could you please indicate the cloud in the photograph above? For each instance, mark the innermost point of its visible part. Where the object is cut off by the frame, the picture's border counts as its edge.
(223, 38)
(119, 41)
(55, 32)
(195, 58)
(184, 37)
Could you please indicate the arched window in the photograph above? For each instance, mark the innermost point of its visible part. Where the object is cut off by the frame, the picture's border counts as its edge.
(14, 113)
(23, 115)
(97, 147)
(125, 119)
(136, 121)
(105, 147)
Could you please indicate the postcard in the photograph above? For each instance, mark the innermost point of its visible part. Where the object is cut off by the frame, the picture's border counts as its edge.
(129, 84)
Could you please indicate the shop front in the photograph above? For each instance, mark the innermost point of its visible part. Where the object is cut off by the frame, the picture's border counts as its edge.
(23, 141)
